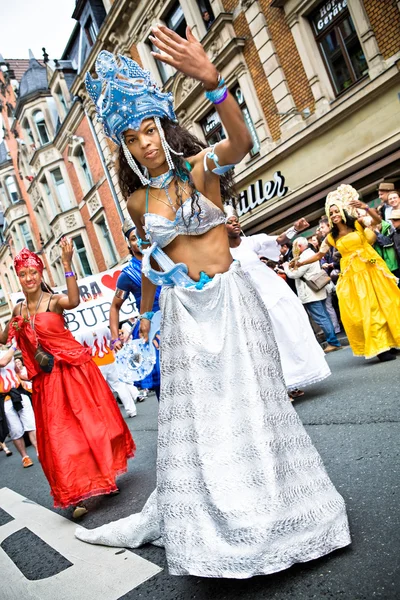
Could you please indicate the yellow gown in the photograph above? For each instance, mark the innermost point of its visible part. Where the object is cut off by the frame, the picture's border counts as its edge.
(369, 299)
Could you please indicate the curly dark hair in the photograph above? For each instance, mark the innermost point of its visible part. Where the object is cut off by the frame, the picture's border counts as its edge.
(181, 141)
(350, 222)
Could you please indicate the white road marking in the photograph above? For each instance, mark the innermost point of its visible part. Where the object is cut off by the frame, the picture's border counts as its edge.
(97, 572)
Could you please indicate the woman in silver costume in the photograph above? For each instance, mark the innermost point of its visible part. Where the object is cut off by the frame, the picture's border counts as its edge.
(241, 490)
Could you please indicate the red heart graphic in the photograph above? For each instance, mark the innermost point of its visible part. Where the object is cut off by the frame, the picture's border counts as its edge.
(110, 281)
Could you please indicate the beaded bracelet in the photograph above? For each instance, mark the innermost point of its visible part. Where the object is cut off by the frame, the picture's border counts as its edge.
(69, 274)
(147, 315)
(219, 94)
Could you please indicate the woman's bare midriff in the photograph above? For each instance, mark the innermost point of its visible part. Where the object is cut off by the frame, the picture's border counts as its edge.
(208, 252)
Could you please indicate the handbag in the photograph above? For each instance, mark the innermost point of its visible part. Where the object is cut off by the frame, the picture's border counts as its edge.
(317, 281)
(44, 359)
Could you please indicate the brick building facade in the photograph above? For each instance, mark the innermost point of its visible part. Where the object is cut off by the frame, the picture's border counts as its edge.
(317, 82)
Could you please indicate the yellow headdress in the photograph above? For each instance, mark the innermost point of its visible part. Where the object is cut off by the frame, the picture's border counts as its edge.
(341, 197)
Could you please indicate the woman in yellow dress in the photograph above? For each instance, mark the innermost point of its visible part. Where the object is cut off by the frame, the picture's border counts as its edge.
(369, 299)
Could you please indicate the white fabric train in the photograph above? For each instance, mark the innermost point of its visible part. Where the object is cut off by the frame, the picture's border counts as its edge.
(241, 490)
(303, 360)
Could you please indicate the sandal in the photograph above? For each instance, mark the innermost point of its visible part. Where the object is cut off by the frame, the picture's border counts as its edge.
(79, 511)
(296, 393)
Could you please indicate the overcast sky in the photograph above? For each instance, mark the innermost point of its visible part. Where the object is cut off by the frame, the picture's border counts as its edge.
(34, 24)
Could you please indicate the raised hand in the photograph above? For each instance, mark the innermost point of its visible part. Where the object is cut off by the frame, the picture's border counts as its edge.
(187, 56)
(301, 225)
(117, 346)
(67, 250)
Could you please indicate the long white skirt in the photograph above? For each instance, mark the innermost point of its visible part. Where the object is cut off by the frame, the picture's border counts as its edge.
(241, 490)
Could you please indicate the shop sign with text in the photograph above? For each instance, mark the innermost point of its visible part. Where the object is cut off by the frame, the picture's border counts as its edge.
(327, 13)
(259, 192)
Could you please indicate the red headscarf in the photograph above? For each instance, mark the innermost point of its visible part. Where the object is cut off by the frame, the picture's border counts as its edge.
(25, 259)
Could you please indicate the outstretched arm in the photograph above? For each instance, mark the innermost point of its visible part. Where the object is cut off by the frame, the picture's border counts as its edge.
(6, 358)
(290, 233)
(114, 322)
(72, 299)
(4, 334)
(189, 57)
(317, 256)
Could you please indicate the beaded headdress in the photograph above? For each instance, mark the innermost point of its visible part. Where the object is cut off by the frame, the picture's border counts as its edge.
(125, 95)
(26, 259)
(341, 197)
(127, 226)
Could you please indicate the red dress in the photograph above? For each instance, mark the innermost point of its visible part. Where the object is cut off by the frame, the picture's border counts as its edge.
(83, 441)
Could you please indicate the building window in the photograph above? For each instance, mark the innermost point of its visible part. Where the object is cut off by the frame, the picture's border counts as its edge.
(41, 127)
(214, 131)
(206, 13)
(43, 221)
(161, 67)
(3, 198)
(63, 196)
(175, 19)
(10, 110)
(91, 32)
(82, 256)
(339, 45)
(8, 284)
(84, 169)
(49, 196)
(61, 100)
(59, 271)
(105, 235)
(212, 128)
(238, 95)
(27, 236)
(12, 189)
(28, 131)
(16, 239)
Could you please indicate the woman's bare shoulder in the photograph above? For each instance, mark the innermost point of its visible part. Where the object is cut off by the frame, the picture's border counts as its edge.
(136, 202)
(17, 309)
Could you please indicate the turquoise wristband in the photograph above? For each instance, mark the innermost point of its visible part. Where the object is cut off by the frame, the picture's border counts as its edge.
(147, 315)
(219, 94)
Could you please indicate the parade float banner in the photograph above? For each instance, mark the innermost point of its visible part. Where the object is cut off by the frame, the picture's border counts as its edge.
(96, 292)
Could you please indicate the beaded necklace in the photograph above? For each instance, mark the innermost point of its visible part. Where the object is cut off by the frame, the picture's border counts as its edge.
(162, 182)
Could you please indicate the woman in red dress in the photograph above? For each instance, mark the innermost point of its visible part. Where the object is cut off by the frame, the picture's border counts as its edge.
(83, 441)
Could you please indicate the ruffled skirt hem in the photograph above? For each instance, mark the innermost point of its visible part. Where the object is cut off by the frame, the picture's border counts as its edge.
(103, 491)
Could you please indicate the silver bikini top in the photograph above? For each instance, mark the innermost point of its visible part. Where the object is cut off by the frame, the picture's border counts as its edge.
(163, 231)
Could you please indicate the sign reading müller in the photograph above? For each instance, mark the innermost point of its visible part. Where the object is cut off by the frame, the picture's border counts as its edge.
(258, 193)
(96, 292)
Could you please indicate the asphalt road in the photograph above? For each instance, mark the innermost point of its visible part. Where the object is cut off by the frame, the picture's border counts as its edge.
(353, 419)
